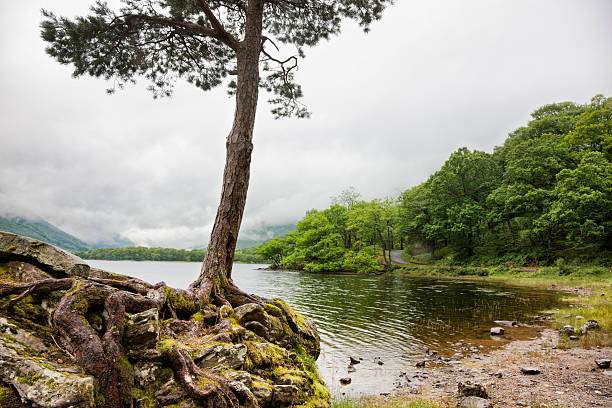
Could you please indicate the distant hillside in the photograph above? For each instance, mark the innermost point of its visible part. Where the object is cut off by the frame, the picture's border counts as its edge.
(42, 230)
(258, 235)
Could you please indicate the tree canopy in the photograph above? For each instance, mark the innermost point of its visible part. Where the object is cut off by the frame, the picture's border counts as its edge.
(198, 40)
(544, 195)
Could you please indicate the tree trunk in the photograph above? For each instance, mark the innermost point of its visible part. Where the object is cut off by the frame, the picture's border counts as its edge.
(215, 277)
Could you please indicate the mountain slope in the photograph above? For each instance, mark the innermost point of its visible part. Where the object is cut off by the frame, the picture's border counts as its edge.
(42, 230)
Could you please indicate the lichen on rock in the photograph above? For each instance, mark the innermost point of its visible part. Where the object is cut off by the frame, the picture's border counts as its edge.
(76, 336)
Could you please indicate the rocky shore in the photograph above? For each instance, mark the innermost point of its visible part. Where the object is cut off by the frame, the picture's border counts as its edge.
(522, 373)
(75, 336)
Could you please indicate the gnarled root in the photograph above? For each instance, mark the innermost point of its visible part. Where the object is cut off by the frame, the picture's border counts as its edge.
(209, 389)
(101, 356)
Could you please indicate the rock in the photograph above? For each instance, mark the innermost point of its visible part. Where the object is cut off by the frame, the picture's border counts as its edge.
(603, 363)
(420, 363)
(229, 355)
(530, 370)
(468, 389)
(142, 329)
(574, 337)
(257, 328)
(21, 336)
(567, 330)
(262, 391)
(40, 383)
(497, 331)
(579, 317)
(354, 361)
(284, 395)
(49, 258)
(589, 325)
(241, 376)
(474, 402)
(609, 372)
(345, 380)
(145, 373)
(510, 323)
(456, 356)
(251, 312)
(351, 369)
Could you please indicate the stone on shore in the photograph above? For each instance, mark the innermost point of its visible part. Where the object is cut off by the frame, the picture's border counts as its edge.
(467, 389)
(530, 370)
(474, 402)
(497, 331)
(510, 323)
(567, 330)
(603, 363)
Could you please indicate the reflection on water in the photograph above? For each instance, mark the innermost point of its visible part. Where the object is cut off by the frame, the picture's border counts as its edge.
(390, 317)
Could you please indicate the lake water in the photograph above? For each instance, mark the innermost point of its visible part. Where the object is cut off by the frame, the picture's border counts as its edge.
(393, 318)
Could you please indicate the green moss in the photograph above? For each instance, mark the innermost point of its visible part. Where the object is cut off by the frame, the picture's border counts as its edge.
(95, 320)
(7, 273)
(5, 392)
(164, 346)
(29, 379)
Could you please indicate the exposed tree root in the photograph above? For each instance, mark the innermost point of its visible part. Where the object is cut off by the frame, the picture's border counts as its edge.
(101, 354)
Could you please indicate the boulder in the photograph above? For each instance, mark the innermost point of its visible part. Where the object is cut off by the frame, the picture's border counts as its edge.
(229, 355)
(41, 383)
(47, 257)
(497, 331)
(142, 329)
(510, 323)
(474, 402)
(567, 330)
(468, 389)
(603, 363)
(345, 380)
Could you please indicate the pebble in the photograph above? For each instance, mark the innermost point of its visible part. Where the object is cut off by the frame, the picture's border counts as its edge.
(345, 380)
(497, 331)
(530, 370)
(603, 363)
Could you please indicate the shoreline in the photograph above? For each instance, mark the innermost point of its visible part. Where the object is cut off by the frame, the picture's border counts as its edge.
(568, 377)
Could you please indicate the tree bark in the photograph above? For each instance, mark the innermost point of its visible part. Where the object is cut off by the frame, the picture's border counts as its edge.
(215, 277)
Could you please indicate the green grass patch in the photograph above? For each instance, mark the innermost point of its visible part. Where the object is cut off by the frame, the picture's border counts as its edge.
(390, 402)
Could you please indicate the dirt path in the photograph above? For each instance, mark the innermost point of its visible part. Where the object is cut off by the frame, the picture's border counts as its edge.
(396, 257)
(568, 377)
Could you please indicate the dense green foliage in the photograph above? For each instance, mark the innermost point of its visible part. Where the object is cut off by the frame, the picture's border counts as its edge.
(141, 253)
(42, 230)
(544, 197)
(341, 238)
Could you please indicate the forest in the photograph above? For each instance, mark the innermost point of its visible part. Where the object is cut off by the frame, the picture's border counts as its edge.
(542, 198)
(140, 253)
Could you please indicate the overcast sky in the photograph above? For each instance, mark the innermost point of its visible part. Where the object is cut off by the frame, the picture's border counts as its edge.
(388, 109)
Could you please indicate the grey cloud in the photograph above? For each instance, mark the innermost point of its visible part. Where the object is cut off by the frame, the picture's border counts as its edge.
(388, 108)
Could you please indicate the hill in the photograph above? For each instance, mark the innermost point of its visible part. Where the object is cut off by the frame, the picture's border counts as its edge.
(42, 230)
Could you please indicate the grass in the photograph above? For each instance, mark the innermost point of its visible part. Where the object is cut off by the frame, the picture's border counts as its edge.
(595, 306)
(390, 402)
